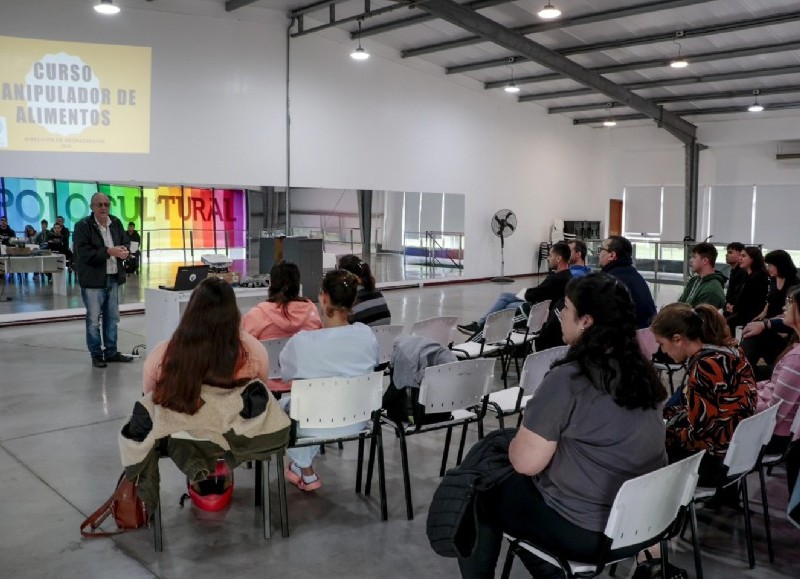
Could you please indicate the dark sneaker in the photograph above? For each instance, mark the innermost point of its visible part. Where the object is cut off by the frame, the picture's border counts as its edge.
(470, 328)
(118, 357)
(99, 363)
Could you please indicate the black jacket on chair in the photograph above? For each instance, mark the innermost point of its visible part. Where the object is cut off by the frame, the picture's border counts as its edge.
(90, 254)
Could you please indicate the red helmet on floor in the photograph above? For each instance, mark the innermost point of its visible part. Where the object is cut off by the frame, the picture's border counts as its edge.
(213, 493)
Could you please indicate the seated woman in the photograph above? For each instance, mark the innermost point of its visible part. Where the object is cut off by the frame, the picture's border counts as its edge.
(753, 295)
(207, 379)
(211, 316)
(593, 424)
(30, 234)
(370, 307)
(284, 313)
(720, 388)
(784, 386)
(338, 349)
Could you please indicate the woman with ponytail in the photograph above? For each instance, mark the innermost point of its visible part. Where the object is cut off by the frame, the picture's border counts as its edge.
(370, 307)
(720, 388)
(593, 424)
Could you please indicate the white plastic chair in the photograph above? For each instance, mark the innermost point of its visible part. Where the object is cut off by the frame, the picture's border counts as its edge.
(338, 402)
(459, 388)
(771, 460)
(646, 511)
(386, 335)
(494, 342)
(742, 458)
(274, 347)
(537, 317)
(328, 261)
(441, 330)
(510, 401)
(649, 346)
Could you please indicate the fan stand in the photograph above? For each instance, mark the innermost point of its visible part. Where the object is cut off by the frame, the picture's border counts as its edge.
(502, 278)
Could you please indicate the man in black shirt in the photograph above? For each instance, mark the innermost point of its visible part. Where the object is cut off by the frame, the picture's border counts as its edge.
(6, 232)
(551, 288)
(737, 276)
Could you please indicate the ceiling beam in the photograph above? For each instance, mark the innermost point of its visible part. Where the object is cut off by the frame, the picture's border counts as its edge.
(707, 96)
(640, 40)
(313, 7)
(677, 81)
(232, 5)
(600, 16)
(656, 62)
(334, 23)
(519, 44)
(420, 18)
(690, 112)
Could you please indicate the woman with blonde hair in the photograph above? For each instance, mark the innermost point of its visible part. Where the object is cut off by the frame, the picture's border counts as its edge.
(720, 388)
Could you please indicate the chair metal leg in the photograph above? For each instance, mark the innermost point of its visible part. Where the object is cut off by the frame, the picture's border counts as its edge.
(406, 476)
(258, 484)
(748, 529)
(509, 562)
(283, 504)
(446, 451)
(698, 564)
(765, 504)
(158, 543)
(370, 466)
(381, 475)
(612, 571)
(462, 443)
(341, 446)
(359, 467)
(263, 466)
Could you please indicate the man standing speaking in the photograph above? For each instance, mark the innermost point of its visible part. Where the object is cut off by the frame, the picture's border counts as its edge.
(100, 246)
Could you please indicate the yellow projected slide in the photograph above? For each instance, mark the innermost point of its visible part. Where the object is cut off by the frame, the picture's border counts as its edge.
(74, 97)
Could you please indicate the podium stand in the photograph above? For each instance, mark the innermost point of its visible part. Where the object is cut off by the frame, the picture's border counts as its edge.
(305, 252)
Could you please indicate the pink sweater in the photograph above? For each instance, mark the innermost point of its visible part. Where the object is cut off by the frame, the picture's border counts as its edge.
(783, 388)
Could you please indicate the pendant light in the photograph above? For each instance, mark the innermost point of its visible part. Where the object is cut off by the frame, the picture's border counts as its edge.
(359, 53)
(549, 12)
(609, 123)
(511, 87)
(756, 107)
(679, 62)
(106, 7)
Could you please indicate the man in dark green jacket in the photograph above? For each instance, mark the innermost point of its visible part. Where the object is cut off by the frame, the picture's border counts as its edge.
(708, 285)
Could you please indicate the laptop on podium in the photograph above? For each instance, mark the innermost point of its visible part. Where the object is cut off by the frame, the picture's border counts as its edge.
(187, 278)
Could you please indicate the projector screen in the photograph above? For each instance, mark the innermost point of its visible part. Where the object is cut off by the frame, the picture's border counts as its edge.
(74, 97)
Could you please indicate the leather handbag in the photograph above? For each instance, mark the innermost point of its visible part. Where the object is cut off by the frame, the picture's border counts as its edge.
(124, 505)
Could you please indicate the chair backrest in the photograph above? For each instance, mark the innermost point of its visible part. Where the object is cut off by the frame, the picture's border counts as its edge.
(335, 402)
(795, 427)
(386, 335)
(456, 385)
(647, 505)
(274, 348)
(328, 260)
(748, 438)
(538, 316)
(498, 326)
(537, 365)
(647, 342)
(441, 330)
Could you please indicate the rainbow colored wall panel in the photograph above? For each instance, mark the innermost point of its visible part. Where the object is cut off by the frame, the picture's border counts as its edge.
(174, 216)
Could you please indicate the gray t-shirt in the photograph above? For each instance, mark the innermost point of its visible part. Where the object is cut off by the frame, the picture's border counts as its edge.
(600, 445)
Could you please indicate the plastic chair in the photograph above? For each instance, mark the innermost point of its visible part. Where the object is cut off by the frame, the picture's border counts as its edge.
(495, 340)
(646, 511)
(459, 388)
(537, 316)
(772, 460)
(386, 335)
(510, 401)
(274, 348)
(441, 330)
(649, 347)
(742, 458)
(262, 493)
(340, 402)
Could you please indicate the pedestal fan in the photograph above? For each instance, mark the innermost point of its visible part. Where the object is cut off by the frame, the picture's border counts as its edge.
(504, 223)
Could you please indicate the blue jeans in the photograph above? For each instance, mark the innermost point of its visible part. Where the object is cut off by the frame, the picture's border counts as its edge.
(505, 301)
(102, 302)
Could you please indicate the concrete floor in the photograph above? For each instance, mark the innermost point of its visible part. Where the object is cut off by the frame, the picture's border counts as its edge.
(59, 420)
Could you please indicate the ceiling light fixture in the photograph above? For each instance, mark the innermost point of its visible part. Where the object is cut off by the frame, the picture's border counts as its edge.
(549, 11)
(679, 62)
(756, 107)
(512, 86)
(359, 53)
(609, 123)
(106, 7)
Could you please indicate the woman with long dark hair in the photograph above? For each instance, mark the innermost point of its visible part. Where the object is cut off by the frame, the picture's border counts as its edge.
(370, 307)
(207, 347)
(720, 386)
(593, 424)
(338, 349)
(753, 296)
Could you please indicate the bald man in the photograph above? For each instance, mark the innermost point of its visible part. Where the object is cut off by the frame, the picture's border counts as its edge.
(100, 247)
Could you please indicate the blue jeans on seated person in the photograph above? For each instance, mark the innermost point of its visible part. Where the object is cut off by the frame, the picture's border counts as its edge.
(505, 301)
(304, 456)
(102, 302)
